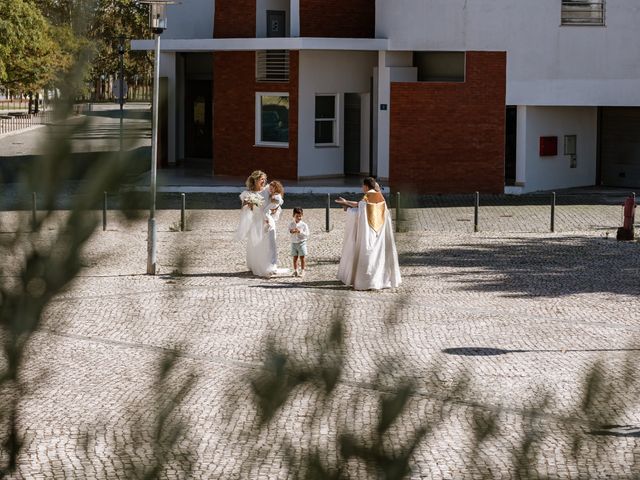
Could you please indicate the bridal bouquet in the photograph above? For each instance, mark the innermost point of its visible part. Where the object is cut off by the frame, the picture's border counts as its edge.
(253, 199)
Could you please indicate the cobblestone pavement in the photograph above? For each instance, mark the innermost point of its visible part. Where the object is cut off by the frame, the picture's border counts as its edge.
(524, 315)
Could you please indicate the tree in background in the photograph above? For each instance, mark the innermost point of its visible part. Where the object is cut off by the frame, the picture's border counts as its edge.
(115, 20)
(34, 54)
(40, 39)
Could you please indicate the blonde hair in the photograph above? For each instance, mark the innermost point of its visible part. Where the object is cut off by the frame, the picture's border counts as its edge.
(252, 180)
(277, 187)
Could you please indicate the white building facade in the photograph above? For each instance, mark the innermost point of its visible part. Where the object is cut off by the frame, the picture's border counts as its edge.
(432, 95)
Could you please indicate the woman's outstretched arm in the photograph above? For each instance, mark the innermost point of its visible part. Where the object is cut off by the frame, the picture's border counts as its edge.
(347, 203)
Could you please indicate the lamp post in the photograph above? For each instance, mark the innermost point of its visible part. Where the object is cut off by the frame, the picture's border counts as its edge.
(121, 86)
(158, 24)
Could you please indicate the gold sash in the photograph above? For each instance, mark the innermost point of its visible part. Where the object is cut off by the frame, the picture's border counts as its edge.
(375, 215)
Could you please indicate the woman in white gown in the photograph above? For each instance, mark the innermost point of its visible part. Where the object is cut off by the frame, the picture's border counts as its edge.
(369, 259)
(262, 254)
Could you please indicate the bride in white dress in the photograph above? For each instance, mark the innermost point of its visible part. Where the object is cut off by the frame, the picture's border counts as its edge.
(262, 254)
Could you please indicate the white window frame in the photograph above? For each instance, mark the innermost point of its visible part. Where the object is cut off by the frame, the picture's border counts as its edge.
(335, 120)
(258, 120)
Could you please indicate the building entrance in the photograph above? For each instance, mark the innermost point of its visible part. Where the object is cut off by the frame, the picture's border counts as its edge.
(199, 119)
(620, 146)
(511, 130)
(352, 133)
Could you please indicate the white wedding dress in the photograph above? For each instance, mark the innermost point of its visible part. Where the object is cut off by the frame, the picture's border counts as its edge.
(369, 259)
(262, 254)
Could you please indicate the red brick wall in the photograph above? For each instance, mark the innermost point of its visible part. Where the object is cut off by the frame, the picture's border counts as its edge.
(234, 89)
(338, 18)
(235, 19)
(450, 137)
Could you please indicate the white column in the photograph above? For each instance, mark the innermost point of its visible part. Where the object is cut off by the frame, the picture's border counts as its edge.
(168, 69)
(180, 103)
(294, 14)
(521, 145)
(383, 122)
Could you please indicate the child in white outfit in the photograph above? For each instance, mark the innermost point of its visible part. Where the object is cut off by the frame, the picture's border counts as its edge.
(276, 192)
(299, 234)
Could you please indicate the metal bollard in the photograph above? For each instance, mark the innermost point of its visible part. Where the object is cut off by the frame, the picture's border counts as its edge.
(183, 217)
(104, 213)
(152, 252)
(553, 212)
(34, 216)
(328, 213)
(398, 212)
(476, 209)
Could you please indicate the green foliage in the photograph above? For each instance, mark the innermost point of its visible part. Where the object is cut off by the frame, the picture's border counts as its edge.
(283, 374)
(386, 450)
(72, 13)
(114, 19)
(29, 56)
(39, 40)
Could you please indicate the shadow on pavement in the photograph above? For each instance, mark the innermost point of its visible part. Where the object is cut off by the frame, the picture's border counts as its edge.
(491, 352)
(138, 114)
(323, 285)
(550, 267)
(13, 168)
(173, 276)
(629, 431)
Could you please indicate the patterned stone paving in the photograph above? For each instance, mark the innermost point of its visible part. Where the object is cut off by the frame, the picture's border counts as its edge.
(521, 313)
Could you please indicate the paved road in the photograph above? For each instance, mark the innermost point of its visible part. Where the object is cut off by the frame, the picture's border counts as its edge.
(524, 315)
(97, 130)
(93, 139)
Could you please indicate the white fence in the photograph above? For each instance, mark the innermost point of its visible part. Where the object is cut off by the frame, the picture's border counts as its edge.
(20, 121)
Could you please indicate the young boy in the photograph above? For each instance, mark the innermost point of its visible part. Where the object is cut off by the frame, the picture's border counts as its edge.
(299, 233)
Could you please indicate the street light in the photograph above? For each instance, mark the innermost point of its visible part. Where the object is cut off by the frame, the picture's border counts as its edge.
(121, 40)
(158, 24)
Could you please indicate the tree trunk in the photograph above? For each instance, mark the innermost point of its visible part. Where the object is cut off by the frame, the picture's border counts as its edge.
(30, 107)
(37, 106)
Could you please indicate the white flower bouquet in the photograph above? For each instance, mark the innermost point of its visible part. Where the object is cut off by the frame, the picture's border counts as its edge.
(253, 199)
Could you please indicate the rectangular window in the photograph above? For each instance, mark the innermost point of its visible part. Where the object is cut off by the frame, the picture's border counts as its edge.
(272, 119)
(439, 66)
(582, 12)
(570, 144)
(326, 131)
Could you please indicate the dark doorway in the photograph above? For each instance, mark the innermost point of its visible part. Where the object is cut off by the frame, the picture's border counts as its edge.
(511, 132)
(373, 168)
(620, 146)
(198, 120)
(351, 133)
(276, 26)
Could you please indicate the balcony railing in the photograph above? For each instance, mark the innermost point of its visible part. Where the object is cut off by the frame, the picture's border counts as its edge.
(272, 66)
(579, 12)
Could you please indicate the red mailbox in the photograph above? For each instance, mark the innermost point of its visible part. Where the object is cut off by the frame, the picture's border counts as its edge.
(548, 146)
